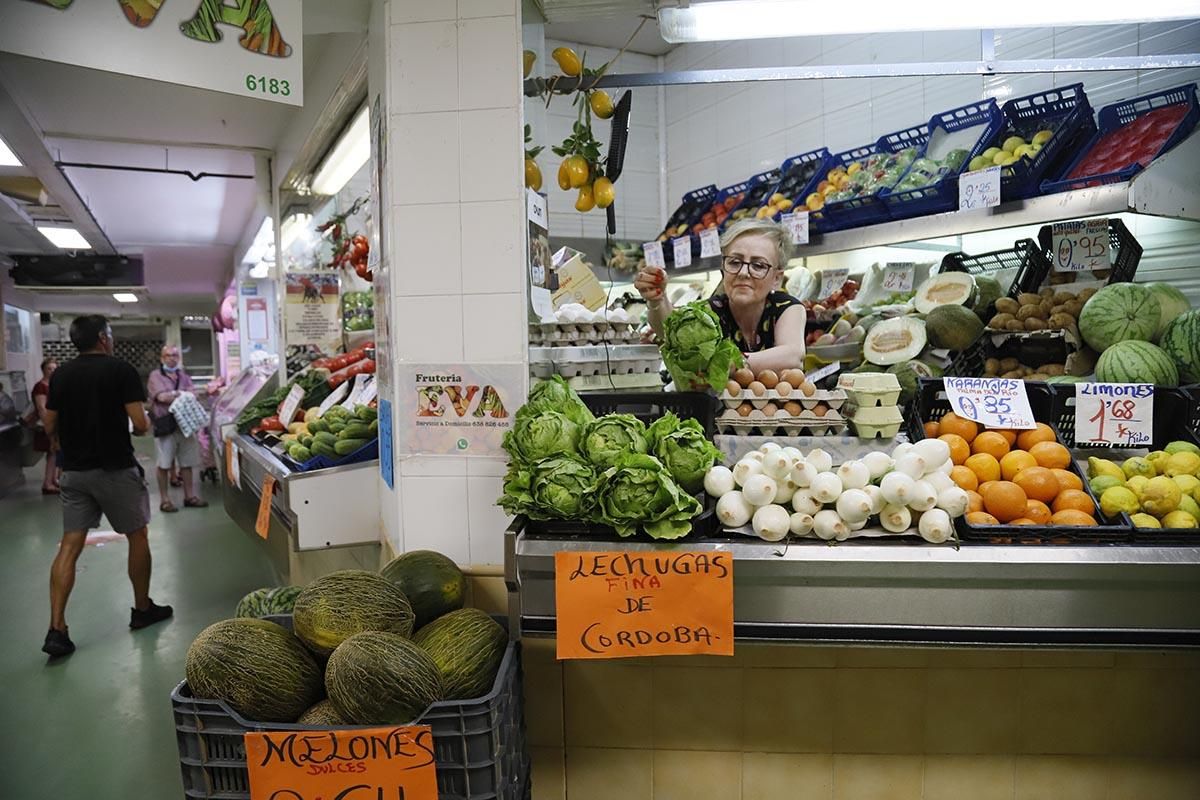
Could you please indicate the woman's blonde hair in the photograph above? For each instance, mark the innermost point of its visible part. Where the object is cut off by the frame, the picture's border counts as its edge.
(751, 226)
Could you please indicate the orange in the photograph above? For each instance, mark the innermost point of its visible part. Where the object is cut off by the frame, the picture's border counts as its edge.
(981, 518)
(1005, 501)
(985, 467)
(953, 423)
(1022, 521)
(1073, 499)
(959, 449)
(1070, 516)
(1043, 433)
(1037, 511)
(931, 430)
(1038, 483)
(1009, 436)
(991, 443)
(965, 478)
(974, 501)
(1051, 455)
(1014, 461)
(1067, 479)
(985, 487)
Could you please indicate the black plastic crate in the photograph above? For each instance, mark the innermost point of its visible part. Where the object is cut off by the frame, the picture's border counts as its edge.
(1125, 252)
(479, 744)
(968, 363)
(931, 404)
(1067, 109)
(649, 406)
(1192, 393)
(1024, 256)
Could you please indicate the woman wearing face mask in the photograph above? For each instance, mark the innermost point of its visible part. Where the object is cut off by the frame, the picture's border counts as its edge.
(164, 387)
(766, 324)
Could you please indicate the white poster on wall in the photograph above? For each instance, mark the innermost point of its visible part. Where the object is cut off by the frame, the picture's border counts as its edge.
(252, 48)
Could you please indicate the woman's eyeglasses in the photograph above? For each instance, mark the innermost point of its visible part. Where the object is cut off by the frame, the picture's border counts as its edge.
(758, 270)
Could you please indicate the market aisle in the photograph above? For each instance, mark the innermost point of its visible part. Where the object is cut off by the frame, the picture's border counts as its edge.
(97, 724)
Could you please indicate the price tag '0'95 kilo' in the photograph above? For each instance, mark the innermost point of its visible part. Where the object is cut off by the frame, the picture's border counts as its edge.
(710, 243)
(797, 225)
(1080, 245)
(1114, 414)
(654, 254)
(992, 402)
(682, 248)
(979, 189)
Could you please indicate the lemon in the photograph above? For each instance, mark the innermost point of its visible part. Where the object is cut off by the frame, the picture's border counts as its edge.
(1043, 136)
(1157, 456)
(527, 59)
(1182, 447)
(990, 153)
(1101, 483)
(1137, 484)
(1024, 150)
(601, 104)
(1161, 496)
(1186, 503)
(586, 201)
(1179, 519)
(1187, 483)
(853, 168)
(1012, 143)
(533, 174)
(567, 61)
(1181, 463)
(1117, 499)
(1145, 521)
(603, 193)
(1102, 466)
(1138, 466)
(979, 162)
(1001, 158)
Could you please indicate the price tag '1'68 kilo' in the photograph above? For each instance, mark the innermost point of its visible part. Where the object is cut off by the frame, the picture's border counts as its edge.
(992, 402)
(1114, 413)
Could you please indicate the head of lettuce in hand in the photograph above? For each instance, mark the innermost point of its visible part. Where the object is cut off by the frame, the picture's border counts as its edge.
(695, 350)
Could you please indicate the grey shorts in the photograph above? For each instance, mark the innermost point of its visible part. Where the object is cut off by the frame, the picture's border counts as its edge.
(176, 447)
(121, 495)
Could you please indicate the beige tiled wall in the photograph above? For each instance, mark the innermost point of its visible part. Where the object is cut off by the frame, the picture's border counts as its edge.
(778, 722)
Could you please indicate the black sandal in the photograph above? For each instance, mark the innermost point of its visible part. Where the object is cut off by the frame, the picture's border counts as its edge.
(167, 507)
(195, 502)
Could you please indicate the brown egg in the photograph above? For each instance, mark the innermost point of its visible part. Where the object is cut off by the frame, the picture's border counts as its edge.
(820, 409)
(783, 388)
(793, 376)
(808, 388)
(770, 409)
(792, 408)
(733, 388)
(744, 409)
(743, 376)
(768, 378)
(757, 389)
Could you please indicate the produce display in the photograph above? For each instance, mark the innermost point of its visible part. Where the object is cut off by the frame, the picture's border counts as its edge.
(1137, 142)
(264, 415)
(358, 311)
(1012, 149)
(927, 170)
(336, 434)
(825, 308)
(1125, 323)
(788, 194)
(861, 178)
(1048, 310)
(356, 657)
(785, 403)
(268, 601)
(1158, 490)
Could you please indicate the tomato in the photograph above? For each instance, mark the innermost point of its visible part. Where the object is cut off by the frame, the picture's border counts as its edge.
(586, 200)
(567, 61)
(564, 177)
(601, 103)
(577, 171)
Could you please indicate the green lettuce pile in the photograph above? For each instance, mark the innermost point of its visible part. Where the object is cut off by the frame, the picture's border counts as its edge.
(695, 350)
(564, 463)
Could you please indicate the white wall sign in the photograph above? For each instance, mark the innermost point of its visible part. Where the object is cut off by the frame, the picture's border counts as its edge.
(253, 48)
(456, 409)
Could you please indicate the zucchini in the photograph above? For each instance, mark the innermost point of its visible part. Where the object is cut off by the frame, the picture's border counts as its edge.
(320, 448)
(345, 447)
(355, 430)
(325, 437)
(374, 427)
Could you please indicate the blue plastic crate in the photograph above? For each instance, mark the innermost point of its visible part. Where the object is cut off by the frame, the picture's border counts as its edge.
(823, 161)
(1119, 114)
(691, 208)
(942, 194)
(756, 190)
(868, 209)
(367, 452)
(1068, 110)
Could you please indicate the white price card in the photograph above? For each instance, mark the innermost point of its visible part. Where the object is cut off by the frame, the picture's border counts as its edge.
(992, 402)
(898, 276)
(979, 189)
(710, 243)
(356, 389)
(1080, 245)
(654, 254)
(682, 248)
(287, 411)
(797, 225)
(824, 372)
(335, 397)
(1114, 413)
(832, 280)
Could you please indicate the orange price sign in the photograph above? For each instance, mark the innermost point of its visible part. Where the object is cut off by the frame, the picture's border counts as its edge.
(262, 522)
(396, 763)
(655, 603)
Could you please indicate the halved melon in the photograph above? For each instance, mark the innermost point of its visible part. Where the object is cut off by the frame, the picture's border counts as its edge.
(946, 288)
(891, 341)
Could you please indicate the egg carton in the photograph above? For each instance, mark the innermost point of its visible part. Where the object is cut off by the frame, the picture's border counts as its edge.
(833, 398)
(758, 423)
(585, 369)
(869, 389)
(581, 333)
(876, 422)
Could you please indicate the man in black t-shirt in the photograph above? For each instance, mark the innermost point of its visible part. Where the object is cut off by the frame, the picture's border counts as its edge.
(93, 401)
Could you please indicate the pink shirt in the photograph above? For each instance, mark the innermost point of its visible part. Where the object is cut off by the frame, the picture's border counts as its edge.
(162, 381)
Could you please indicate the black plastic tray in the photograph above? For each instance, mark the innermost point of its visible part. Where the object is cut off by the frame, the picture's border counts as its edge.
(1125, 250)
(1024, 256)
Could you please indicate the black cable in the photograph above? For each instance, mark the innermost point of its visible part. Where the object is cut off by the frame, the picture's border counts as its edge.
(195, 176)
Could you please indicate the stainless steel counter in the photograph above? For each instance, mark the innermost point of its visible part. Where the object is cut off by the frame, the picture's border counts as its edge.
(1102, 596)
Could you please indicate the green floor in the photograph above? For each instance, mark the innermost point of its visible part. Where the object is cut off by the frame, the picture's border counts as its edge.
(97, 725)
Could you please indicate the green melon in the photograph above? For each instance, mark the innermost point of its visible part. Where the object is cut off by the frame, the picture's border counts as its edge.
(253, 604)
(1135, 361)
(380, 678)
(257, 667)
(1172, 303)
(467, 645)
(323, 714)
(953, 327)
(908, 374)
(433, 583)
(344, 603)
(1119, 312)
(1181, 341)
(268, 600)
(987, 292)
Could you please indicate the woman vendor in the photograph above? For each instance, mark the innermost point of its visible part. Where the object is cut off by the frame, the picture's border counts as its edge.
(766, 324)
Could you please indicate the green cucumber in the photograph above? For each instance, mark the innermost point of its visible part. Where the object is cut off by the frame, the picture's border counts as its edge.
(365, 413)
(355, 430)
(325, 437)
(300, 453)
(374, 427)
(318, 425)
(320, 448)
(345, 447)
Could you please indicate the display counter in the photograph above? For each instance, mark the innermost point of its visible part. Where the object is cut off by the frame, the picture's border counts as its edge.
(918, 594)
(320, 521)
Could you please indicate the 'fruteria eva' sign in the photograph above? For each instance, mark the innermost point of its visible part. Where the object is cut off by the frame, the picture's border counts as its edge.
(992, 402)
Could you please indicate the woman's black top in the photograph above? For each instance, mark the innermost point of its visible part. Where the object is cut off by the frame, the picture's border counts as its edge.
(776, 304)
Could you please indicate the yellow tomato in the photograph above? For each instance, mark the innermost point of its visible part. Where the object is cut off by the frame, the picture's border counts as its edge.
(601, 103)
(528, 57)
(533, 174)
(586, 200)
(564, 177)
(577, 171)
(603, 193)
(567, 61)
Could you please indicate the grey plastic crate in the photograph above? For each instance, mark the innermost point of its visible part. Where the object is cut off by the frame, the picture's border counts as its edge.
(479, 744)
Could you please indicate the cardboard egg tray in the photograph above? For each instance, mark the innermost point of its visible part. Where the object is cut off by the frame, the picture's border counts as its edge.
(870, 389)
(834, 399)
(567, 334)
(756, 423)
(635, 367)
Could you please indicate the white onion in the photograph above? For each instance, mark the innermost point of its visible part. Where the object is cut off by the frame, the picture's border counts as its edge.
(821, 461)
(854, 475)
(733, 510)
(771, 522)
(924, 497)
(826, 487)
(759, 490)
(719, 481)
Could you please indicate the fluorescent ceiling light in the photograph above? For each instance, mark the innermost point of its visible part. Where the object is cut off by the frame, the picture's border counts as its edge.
(292, 227)
(125, 297)
(764, 19)
(7, 157)
(66, 238)
(351, 151)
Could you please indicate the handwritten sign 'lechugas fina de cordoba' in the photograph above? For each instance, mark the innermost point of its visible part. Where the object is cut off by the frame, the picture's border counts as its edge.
(620, 605)
(396, 763)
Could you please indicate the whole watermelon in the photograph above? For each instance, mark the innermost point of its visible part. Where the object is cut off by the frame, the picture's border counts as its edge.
(433, 583)
(1172, 303)
(1119, 312)
(341, 604)
(259, 668)
(323, 713)
(467, 645)
(1135, 361)
(1181, 341)
(253, 604)
(267, 601)
(381, 678)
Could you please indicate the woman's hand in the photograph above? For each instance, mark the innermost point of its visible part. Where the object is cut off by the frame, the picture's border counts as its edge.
(650, 283)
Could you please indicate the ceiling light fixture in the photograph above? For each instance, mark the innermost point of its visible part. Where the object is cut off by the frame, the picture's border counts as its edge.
(349, 153)
(66, 238)
(765, 19)
(293, 225)
(125, 297)
(7, 157)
